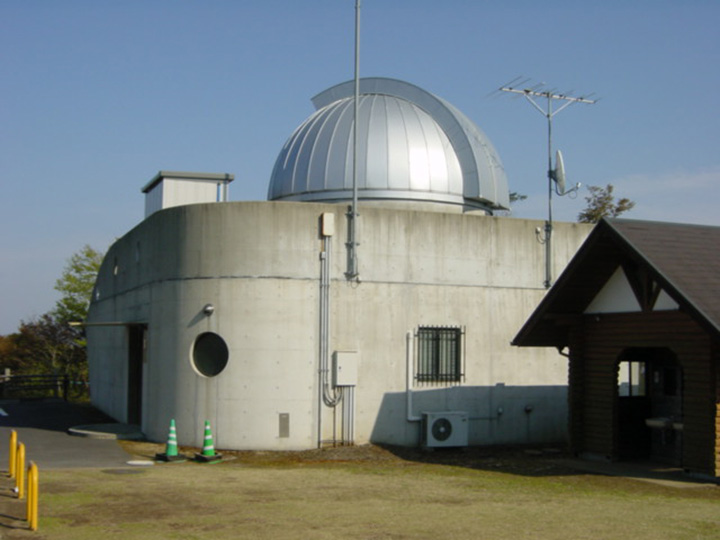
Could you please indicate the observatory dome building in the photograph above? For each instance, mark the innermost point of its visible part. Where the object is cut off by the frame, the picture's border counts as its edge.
(243, 313)
(412, 146)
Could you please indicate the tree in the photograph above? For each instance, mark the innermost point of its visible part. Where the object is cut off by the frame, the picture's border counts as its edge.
(601, 203)
(8, 352)
(48, 344)
(76, 284)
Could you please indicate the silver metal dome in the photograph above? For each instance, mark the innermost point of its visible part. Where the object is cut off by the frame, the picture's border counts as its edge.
(412, 146)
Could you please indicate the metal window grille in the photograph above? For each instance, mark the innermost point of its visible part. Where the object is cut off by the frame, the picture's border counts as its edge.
(439, 354)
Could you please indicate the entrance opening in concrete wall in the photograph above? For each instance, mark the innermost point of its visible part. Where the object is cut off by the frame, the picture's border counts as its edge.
(209, 354)
(137, 347)
(649, 394)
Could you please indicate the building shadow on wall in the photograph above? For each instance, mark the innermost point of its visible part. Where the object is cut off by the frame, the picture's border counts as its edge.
(496, 415)
(523, 460)
(520, 430)
(516, 429)
(547, 461)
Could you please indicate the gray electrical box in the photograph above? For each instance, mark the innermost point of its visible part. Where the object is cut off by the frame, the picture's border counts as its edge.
(345, 368)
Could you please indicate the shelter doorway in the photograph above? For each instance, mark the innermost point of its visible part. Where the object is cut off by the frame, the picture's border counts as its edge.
(137, 335)
(649, 405)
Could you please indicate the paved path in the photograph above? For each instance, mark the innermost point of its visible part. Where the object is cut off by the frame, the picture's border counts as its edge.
(43, 427)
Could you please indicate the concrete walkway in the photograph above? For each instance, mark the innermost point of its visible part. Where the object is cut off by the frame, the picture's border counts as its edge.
(644, 471)
(46, 427)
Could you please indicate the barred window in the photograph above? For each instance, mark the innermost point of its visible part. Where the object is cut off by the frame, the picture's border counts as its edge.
(439, 354)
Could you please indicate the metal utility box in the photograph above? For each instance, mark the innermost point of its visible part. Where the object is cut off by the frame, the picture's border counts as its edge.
(328, 224)
(345, 368)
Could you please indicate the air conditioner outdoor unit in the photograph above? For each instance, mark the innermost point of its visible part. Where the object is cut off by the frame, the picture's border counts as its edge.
(444, 429)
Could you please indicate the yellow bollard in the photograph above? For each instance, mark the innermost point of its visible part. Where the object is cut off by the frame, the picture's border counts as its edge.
(20, 471)
(33, 495)
(13, 449)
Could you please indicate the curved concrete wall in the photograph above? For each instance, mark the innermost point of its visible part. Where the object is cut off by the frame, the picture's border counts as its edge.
(258, 264)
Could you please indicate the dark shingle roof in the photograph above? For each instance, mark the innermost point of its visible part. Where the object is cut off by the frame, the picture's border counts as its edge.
(683, 259)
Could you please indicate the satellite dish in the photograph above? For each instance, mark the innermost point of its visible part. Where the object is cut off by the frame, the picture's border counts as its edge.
(558, 173)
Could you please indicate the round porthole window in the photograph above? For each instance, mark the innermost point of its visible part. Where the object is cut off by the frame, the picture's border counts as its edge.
(210, 354)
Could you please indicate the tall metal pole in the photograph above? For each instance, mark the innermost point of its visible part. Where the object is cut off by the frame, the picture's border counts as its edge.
(352, 271)
(548, 113)
(549, 222)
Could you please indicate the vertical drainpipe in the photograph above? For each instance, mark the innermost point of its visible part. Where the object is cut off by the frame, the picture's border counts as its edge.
(322, 368)
(408, 378)
(326, 395)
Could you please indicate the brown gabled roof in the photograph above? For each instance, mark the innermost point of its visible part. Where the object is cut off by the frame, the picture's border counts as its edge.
(683, 259)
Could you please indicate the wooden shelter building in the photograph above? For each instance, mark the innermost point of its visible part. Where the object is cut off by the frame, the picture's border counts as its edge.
(637, 312)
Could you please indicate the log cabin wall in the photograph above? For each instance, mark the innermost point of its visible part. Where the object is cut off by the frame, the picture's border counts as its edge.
(596, 344)
(716, 369)
(576, 390)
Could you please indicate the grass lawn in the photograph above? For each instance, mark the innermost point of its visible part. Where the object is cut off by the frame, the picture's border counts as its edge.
(364, 492)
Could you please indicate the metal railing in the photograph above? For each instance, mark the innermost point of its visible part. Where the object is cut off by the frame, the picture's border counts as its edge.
(34, 386)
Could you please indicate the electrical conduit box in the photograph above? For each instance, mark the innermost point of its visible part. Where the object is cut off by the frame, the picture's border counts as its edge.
(345, 368)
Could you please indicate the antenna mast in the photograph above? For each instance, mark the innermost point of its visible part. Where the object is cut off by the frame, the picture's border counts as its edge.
(352, 268)
(532, 94)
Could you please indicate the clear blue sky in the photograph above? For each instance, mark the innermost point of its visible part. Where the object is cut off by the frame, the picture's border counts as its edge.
(97, 96)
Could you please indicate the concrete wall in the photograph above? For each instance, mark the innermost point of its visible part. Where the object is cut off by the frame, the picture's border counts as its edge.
(258, 264)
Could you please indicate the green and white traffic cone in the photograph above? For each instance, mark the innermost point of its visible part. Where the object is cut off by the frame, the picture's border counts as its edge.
(171, 449)
(208, 454)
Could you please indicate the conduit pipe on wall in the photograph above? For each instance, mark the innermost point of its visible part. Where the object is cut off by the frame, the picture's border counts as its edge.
(348, 414)
(331, 396)
(409, 355)
(408, 378)
(497, 416)
(326, 395)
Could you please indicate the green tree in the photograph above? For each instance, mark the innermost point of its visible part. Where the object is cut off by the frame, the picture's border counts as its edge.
(76, 285)
(601, 203)
(8, 352)
(48, 344)
(516, 197)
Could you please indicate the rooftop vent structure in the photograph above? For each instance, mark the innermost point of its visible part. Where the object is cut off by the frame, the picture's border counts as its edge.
(175, 188)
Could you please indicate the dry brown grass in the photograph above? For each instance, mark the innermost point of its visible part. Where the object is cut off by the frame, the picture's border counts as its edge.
(365, 492)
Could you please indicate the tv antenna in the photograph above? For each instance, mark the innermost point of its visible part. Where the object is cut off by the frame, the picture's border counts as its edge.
(556, 175)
